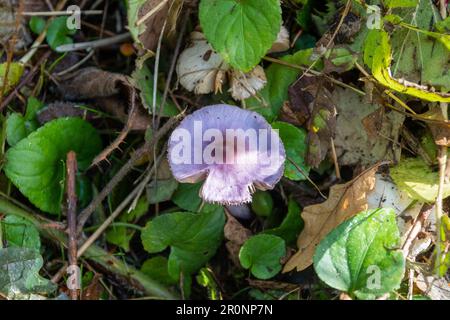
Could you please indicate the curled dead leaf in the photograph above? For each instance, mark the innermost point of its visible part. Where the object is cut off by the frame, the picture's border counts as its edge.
(200, 69)
(282, 42)
(246, 85)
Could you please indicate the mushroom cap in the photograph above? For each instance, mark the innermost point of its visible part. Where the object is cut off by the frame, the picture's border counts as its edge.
(238, 166)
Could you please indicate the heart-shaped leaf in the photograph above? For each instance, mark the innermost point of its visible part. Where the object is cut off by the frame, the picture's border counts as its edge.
(241, 31)
(360, 256)
(35, 165)
(262, 254)
(193, 238)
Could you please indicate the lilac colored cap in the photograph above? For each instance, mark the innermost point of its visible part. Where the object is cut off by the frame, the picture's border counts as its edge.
(236, 151)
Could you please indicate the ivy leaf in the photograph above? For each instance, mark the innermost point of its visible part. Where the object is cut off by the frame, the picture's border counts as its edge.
(58, 33)
(279, 78)
(193, 239)
(291, 226)
(19, 272)
(360, 256)
(262, 254)
(416, 178)
(294, 140)
(35, 165)
(19, 232)
(241, 31)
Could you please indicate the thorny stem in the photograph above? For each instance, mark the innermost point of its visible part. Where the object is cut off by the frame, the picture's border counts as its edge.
(71, 169)
(94, 253)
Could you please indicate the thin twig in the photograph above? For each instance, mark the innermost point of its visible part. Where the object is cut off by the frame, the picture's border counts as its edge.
(94, 44)
(71, 169)
(60, 13)
(138, 154)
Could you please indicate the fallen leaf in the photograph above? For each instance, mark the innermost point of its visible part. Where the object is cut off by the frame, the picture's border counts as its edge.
(282, 42)
(234, 231)
(313, 95)
(200, 69)
(344, 201)
(246, 85)
(60, 109)
(354, 144)
(436, 289)
(91, 82)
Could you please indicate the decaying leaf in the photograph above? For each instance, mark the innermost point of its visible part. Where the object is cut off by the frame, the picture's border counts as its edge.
(236, 234)
(60, 109)
(282, 42)
(440, 132)
(245, 85)
(344, 201)
(436, 289)
(200, 69)
(90, 83)
(312, 95)
(354, 143)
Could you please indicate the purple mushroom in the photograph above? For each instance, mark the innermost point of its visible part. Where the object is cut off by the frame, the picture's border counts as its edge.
(234, 150)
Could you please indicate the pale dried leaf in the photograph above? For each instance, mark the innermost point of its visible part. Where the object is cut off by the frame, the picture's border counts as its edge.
(200, 69)
(282, 43)
(344, 201)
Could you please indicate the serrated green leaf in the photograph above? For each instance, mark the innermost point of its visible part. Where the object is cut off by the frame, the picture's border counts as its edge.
(241, 31)
(35, 165)
(361, 255)
(262, 255)
(21, 233)
(416, 178)
(193, 239)
(294, 140)
(19, 272)
(279, 78)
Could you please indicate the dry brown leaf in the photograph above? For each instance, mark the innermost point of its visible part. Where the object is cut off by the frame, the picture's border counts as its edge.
(344, 201)
(441, 133)
(245, 85)
(60, 109)
(282, 42)
(234, 231)
(91, 82)
(153, 25)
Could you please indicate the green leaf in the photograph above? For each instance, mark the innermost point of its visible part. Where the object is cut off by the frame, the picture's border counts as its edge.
(262, 254)
(291, 226)
(15, 72)
(37, 24)
(206, 279)
(417, 57)
(35, 165)
(157, 268)
(18, 126)
(19, 272)
(122, 235)
(378, 56)
(21, 233)
(193, 239)
(133, 7)
(416, 178)
(241, 31)
(294, 140)
(143, 79)
(400, 3)
(161, 190)
(187, 197)
(262, 203)
(58, 33)
(360, 256)
(279, 77)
